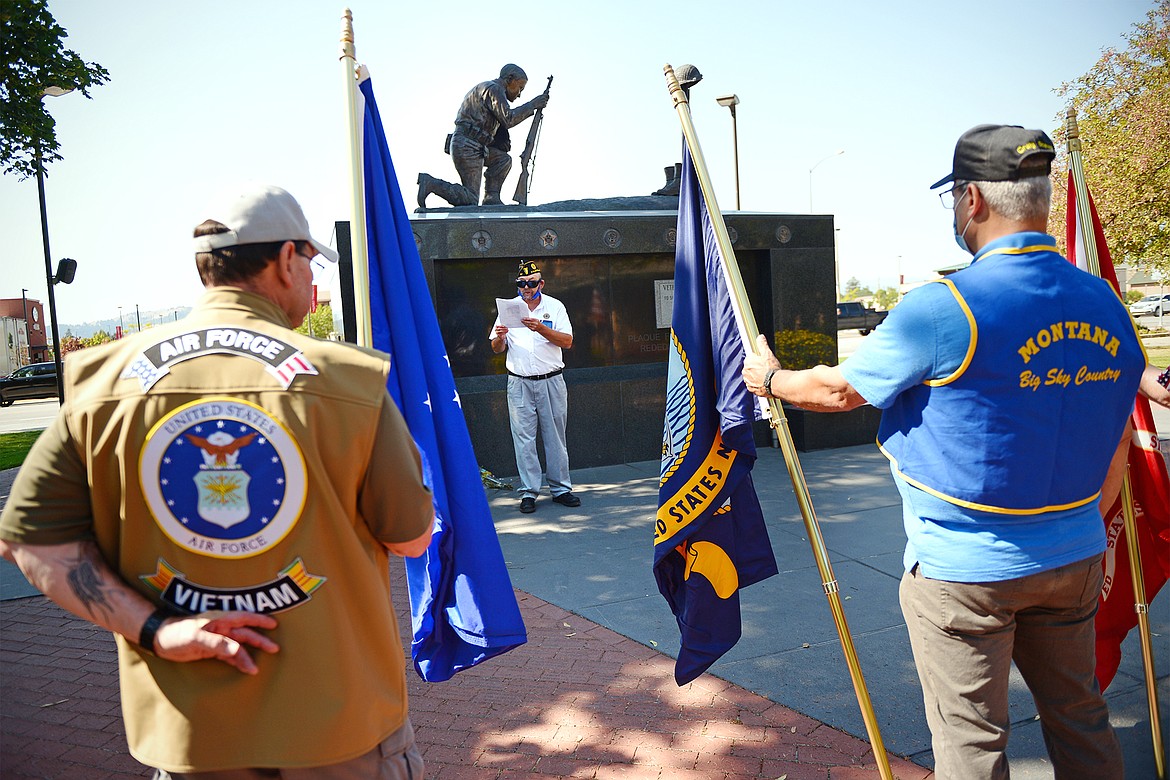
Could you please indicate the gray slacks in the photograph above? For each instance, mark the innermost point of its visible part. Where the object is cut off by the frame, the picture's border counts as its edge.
(965, 636)
(543, 403)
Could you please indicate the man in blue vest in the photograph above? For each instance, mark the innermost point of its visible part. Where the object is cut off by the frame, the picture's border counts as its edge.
(1005, 389)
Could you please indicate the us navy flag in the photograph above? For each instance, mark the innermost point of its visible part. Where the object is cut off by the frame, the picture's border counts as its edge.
(709, 536)
(463, 608)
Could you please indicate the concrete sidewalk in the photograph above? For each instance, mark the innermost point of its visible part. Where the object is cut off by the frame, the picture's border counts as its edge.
(579, 700)
(592, 694)
(595, 561)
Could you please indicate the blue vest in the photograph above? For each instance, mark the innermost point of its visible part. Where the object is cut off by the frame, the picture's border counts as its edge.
(1030, 420)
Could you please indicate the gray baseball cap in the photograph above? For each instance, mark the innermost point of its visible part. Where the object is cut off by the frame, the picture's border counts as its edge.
(258, 216)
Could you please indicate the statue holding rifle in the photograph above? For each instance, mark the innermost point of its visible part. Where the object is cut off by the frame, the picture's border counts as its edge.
(479, 144)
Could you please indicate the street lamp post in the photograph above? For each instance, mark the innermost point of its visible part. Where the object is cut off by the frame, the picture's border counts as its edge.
(49, 278)
(837, 153)
(50, 91)
(138, 316)
(121, 324)
(24, 306)
(731, 101)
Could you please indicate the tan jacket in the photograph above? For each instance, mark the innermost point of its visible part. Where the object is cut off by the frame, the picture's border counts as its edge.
(226, 462)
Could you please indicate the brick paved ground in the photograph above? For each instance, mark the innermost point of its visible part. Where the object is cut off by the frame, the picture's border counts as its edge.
(578, 701)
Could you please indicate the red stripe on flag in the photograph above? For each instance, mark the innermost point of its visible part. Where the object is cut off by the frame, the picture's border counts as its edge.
(1151, 492)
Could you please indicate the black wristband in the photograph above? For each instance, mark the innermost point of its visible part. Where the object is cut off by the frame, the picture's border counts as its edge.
(150, 628)
(768, 382)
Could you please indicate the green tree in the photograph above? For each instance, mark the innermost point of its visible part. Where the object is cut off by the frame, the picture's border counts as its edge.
(34, 59)
(886, 297)
(101, 337)
(854, 290)
(318, 323)
(1123, 114)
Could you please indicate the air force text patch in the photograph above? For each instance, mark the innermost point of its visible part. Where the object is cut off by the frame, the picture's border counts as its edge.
(223, 478)
(283, 361)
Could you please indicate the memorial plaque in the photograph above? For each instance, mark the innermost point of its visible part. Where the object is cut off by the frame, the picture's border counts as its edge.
(663, 301)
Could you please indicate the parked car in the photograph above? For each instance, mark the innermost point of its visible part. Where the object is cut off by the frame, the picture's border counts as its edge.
(38, 380)
(1151, 304)
(853, 314)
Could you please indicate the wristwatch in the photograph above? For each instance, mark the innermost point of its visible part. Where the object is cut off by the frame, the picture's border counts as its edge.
(768, 382)
(150, 628)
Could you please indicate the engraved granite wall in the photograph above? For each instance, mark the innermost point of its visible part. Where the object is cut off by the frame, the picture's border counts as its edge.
(614, 271)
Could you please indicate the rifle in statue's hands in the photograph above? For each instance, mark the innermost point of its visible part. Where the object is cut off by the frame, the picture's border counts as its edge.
(526, 157)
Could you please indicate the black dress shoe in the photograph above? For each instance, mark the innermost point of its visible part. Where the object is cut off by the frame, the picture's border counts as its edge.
(567, 499)
(528, 505)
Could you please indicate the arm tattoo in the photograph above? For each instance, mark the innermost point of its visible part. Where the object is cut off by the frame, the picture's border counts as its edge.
(87, 584)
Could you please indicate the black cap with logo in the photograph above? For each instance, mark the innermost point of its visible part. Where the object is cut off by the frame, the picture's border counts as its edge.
(997, 153)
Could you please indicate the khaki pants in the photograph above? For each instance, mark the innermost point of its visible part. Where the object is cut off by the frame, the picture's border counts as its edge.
(965, 637)
(396, 758)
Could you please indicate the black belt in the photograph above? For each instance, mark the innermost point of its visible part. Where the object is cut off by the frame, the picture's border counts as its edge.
(538, 376)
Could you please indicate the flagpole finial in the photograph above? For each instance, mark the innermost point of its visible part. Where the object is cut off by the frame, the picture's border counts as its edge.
(347, 47)
(1072, 132)
(676, 91)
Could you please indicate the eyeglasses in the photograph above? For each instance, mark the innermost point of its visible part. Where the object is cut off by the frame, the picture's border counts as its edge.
(948, 197)
(531, 284)
(319, 269)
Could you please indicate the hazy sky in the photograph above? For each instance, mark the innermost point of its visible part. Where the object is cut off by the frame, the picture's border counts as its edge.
(204, 95)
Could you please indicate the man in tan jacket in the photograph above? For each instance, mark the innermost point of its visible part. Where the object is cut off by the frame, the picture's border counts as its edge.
(224, 485)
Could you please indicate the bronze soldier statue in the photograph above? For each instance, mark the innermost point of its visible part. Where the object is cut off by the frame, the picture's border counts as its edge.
(481, 138)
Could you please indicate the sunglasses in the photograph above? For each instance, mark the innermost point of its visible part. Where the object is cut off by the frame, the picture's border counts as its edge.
(531, 284)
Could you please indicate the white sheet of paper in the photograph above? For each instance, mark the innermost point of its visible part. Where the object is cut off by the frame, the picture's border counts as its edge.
(512, 310)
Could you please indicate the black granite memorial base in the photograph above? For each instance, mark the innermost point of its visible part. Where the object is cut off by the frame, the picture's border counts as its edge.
(611, 262)
(616, 416)
(821, 431)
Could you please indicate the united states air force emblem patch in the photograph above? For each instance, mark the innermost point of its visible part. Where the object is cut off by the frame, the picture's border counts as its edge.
(223, 478)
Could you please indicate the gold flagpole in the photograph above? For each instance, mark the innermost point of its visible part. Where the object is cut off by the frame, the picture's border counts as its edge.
(357, 202)
(780, 424)
(1141, 606)
(1084, 213)
(1143, 610)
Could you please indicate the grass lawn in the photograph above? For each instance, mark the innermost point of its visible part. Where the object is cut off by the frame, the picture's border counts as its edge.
(14, 446)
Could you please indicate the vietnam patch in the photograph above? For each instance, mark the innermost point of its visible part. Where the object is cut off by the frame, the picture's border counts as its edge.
(223, 478)
(292, 587)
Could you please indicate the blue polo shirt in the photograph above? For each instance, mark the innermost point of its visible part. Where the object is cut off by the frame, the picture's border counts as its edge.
(927, 337)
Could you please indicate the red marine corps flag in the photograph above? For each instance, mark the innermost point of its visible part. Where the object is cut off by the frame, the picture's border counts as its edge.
(1151, 492)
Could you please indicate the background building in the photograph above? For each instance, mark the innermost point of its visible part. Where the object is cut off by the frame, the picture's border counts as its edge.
(33, 347)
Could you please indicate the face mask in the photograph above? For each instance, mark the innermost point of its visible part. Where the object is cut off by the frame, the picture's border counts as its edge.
(960, 235)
